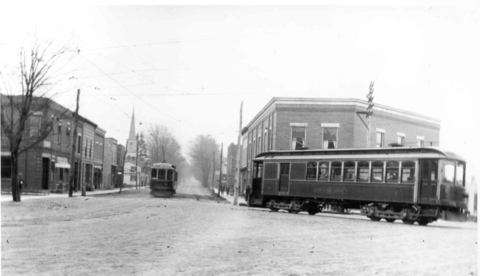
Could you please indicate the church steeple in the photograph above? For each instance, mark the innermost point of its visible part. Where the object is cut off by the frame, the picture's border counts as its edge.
(131, 135)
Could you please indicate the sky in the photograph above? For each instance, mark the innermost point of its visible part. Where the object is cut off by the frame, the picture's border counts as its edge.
(189, 67)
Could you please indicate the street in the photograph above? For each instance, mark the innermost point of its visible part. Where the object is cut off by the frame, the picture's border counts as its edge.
(195, 233)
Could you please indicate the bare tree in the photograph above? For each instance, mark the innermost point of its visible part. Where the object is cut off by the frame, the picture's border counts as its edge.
(163, 147)
(201, 153)
(18, 105)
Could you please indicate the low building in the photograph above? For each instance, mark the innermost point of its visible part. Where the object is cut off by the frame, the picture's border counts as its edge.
(321, 123)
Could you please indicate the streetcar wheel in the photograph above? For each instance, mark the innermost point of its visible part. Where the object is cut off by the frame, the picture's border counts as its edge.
(375, 218)
(423, 222)
(312, 209)
(407, 221)
(390, 220)
(293, 211)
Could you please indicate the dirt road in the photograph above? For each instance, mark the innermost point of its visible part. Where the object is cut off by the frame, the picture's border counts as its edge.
(196, 234)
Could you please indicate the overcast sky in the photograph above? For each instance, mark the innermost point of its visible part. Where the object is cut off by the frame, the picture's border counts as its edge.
(189, 67)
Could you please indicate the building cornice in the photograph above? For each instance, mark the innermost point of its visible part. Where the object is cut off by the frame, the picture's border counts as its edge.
(276, 101)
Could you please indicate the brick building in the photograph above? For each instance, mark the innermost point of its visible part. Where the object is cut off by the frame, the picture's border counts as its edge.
(320, 123)
(98, 158)
(47, 166)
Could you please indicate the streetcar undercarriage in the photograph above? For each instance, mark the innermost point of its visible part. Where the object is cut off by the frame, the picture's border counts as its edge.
(407, 213)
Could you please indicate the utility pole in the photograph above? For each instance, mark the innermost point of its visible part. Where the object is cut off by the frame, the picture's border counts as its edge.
(239, 158)
(74, 143)
(136, 164)
(370, 111)
(220, 176)
(123, 167)
(213, 172)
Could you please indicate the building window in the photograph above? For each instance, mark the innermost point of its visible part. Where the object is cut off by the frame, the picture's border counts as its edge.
(298, 137)
(401, 138)
(380, 140)
(35, 125)
(420, 141)
(6, 167)
(59, 134)
(79, 144)
(330, 137)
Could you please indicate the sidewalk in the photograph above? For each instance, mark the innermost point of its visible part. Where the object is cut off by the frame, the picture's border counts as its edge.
(8, 197)
(229, 198)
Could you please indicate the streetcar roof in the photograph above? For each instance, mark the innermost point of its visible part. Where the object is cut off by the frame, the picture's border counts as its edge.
(163, 166)
(359, 153)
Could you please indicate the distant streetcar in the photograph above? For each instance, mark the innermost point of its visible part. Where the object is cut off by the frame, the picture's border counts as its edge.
(163, 182)
(409, 184)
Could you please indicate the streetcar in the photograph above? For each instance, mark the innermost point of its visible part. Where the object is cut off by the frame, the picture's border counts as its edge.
(163, 181)
(409, 184)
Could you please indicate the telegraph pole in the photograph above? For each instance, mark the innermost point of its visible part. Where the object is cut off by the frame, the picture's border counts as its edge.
(220, 176)
(213, 172)
(74, 143)
(370, 111)
(239, 158)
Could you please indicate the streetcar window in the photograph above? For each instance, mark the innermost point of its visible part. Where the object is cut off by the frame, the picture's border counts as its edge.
(161, 174)
(311, 171)
(459, 178)
(393, 168)
(169, 175)
(298, 171)
(154, 173)
(271, 170)
(408, 172)
(349, 170)
(377, 171)
(336, 171)
(362, 171)
(449, 172)
(323, 170)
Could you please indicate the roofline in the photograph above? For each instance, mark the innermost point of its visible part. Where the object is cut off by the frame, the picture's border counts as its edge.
(339, 101)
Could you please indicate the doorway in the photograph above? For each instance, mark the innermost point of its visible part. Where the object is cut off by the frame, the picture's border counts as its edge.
(428, 181)
(45, 173)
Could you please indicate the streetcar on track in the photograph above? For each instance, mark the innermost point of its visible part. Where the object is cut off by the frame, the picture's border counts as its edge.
(163, 181)
(409, 184)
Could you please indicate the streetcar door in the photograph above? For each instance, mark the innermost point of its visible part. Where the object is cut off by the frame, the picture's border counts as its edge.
(284, 177)
(428, 181)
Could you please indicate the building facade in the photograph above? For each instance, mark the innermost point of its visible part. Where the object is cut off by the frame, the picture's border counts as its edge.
(47, 166)
(98, 166)
(120, 164)
(110, 163)
(319, 123)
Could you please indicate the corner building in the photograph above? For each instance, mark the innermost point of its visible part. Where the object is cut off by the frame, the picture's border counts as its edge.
(322, 123)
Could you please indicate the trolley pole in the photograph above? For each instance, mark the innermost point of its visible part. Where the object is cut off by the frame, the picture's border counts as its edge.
(239, 158)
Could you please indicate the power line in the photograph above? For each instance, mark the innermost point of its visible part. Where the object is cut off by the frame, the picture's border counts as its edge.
(127, 89)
